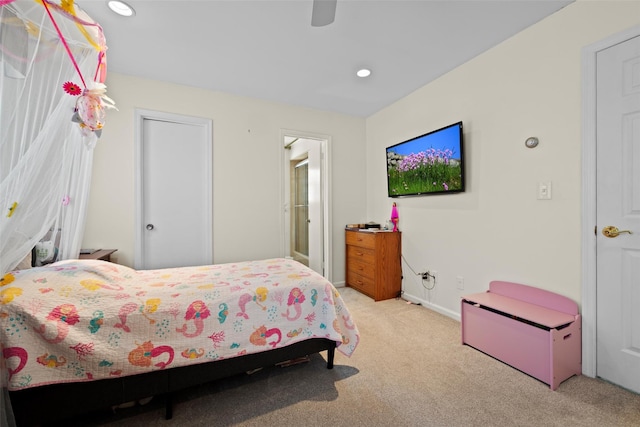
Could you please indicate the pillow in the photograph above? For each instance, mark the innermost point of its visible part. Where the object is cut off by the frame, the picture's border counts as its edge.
(46, 253)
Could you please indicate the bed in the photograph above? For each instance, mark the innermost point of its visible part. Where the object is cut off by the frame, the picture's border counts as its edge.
(80, 335)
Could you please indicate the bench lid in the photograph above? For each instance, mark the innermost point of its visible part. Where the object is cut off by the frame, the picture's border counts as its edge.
(521, 309)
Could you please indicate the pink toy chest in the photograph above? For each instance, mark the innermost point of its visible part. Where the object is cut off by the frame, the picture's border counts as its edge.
(533, 330)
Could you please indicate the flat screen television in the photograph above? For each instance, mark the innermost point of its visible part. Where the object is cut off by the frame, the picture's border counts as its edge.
(432, 163)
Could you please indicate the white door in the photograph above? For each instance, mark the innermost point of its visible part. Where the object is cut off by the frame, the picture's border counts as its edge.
(311, 150)
(618, 205)
(174, 191)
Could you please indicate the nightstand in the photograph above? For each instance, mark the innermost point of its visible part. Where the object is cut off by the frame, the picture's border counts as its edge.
(101, 254)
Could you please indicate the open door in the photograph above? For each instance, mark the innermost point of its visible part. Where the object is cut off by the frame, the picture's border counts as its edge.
(305, 202)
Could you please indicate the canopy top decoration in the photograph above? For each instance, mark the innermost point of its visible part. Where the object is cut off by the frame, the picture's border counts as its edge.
(92, 100)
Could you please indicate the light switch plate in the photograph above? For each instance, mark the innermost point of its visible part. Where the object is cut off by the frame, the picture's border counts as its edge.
(544, 190)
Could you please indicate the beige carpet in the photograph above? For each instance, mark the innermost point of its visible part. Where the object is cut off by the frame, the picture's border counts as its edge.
(410, 369)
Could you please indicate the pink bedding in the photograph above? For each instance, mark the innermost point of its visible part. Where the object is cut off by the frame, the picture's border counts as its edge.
(86, 320)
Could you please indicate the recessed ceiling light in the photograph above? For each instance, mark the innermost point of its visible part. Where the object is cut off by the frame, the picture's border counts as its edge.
(363, 72)
(121, 8)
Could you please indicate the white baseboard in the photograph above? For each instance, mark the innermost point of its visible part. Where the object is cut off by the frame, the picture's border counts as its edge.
(434, 307)
(416, 300)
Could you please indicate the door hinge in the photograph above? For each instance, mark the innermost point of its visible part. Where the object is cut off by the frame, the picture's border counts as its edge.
(595, 230)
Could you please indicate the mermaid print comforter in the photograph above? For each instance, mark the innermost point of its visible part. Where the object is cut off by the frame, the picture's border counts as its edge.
(86, 320)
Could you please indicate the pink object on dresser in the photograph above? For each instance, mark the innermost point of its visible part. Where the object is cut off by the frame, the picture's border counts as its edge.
(533, 330)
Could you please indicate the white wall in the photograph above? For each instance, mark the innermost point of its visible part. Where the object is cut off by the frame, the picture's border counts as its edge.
(530, 85)
(527, 86)
(247, 169)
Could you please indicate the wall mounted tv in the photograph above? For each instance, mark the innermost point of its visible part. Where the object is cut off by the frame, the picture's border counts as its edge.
(432, 163)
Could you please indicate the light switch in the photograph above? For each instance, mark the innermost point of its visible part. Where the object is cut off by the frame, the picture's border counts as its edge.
(544, 190)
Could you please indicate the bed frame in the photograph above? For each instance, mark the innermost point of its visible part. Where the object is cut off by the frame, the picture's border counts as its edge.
(44, 404)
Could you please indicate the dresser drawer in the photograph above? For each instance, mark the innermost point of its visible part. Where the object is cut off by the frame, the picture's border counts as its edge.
(361, 239)
(362, 254)
(362, 268)
(361, 283)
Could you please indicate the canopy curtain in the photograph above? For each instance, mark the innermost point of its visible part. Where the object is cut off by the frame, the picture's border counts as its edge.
(45, 157)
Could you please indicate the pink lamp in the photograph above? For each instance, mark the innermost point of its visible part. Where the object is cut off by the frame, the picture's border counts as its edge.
(394, 217)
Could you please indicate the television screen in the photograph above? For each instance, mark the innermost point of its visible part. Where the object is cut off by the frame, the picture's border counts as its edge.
(432, 163)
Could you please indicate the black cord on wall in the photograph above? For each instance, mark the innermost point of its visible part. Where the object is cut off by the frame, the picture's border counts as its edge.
(425, 276)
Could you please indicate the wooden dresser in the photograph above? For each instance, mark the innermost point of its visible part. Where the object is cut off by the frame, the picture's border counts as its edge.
(373, 263)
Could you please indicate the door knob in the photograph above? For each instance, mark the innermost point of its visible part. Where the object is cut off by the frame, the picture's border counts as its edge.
(149, 227)
(612, 231)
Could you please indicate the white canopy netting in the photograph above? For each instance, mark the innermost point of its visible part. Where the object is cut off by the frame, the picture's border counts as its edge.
(52, 66)
(52, 108)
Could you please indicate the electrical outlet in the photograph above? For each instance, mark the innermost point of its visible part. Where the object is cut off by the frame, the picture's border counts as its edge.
(460, 282)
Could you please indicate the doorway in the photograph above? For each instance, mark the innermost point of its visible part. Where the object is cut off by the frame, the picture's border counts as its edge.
(306, 200)
(173, 219)
(300, 210)
(611, 134)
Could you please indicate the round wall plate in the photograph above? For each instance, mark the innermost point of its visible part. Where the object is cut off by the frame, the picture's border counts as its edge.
(531, 142)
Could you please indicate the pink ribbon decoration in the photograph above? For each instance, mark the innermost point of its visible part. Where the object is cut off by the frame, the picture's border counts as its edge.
(91, 104)
(64, 42)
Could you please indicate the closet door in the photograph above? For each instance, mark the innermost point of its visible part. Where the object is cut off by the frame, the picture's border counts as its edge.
(174, 192)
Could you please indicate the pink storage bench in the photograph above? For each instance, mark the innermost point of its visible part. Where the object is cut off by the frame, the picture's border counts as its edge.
(536, 331)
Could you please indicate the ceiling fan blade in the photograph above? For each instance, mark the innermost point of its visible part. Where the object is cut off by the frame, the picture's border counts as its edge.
(324, 12)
